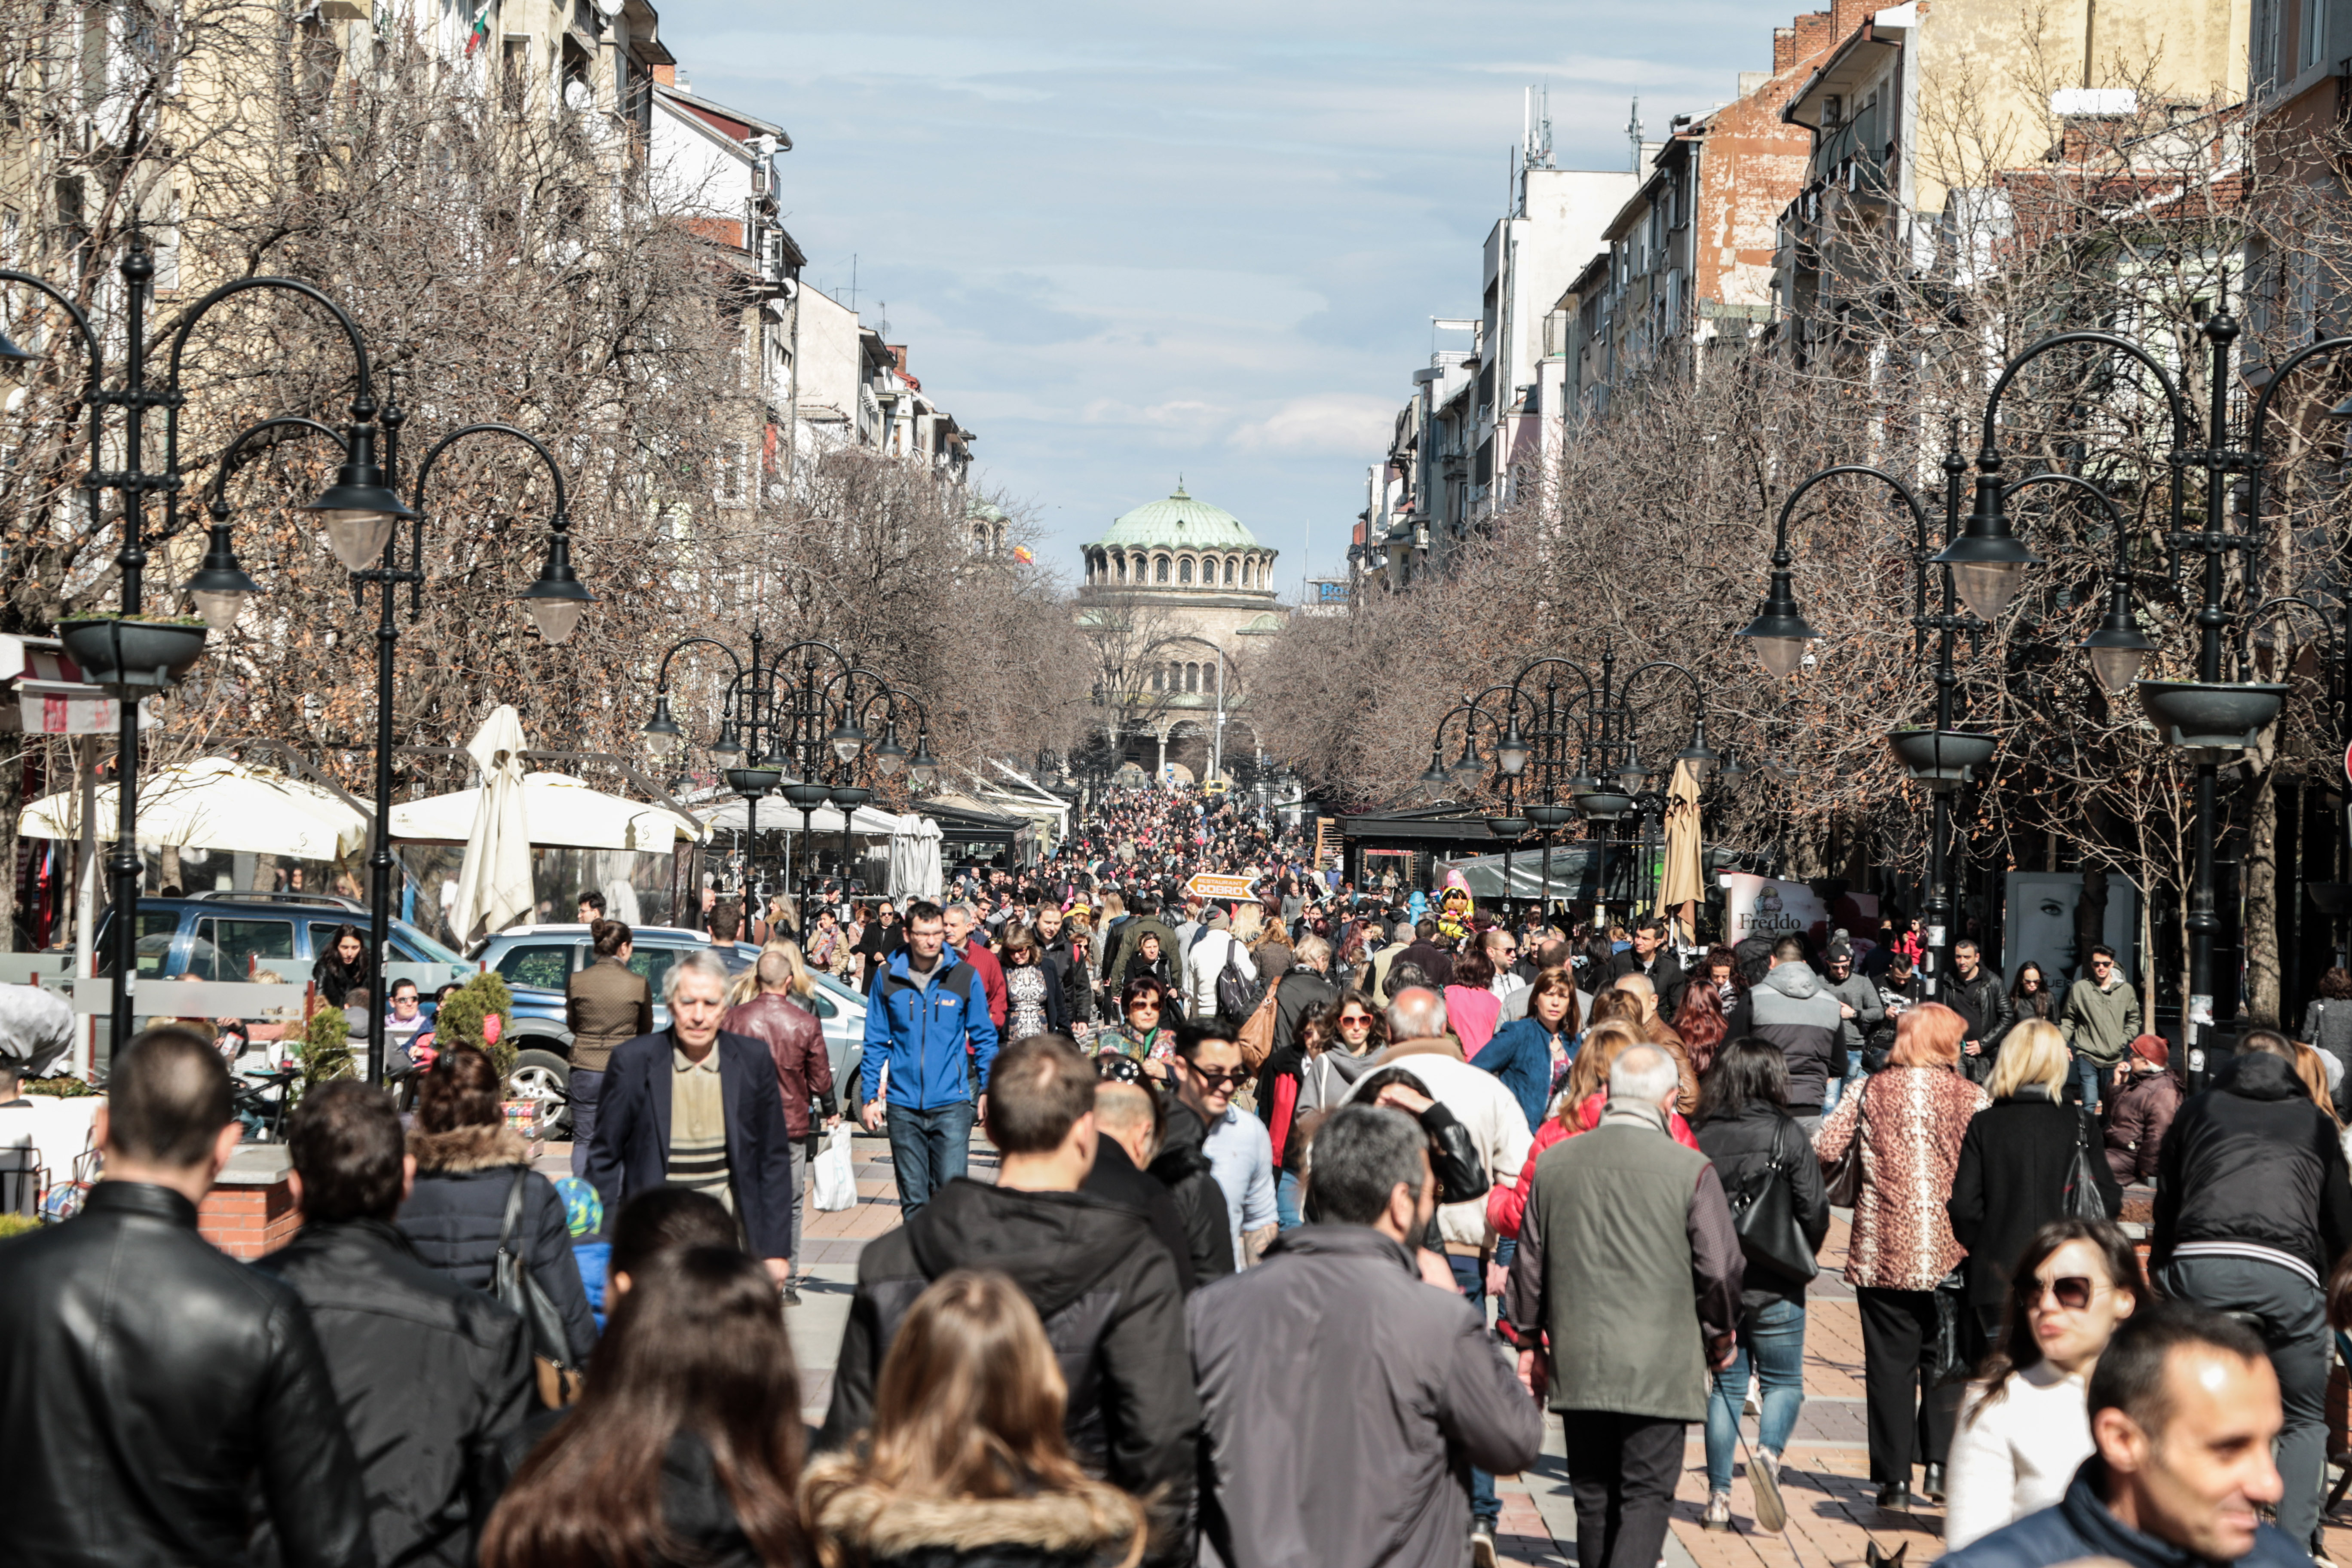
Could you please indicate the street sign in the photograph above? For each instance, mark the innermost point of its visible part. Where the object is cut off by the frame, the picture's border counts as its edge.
(1207, 886)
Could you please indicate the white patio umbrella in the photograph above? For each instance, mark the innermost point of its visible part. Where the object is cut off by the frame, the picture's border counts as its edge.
(563, 813)
(214, 804)
(494, 879)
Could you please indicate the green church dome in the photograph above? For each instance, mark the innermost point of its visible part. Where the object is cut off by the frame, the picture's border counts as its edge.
(1180, 522)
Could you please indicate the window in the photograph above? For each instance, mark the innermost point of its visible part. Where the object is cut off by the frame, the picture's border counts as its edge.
(1163, 569)
(818, 1003)
(1245, 574)
(1122, 568)
(1184, 570)
(651, 962)
(1159, 679)
(2311, 35)
(1229, 571)
(156, 930)
(239, 948)
(1191, 677)
(542, 967)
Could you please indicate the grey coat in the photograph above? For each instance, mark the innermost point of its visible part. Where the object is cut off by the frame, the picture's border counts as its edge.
(1859, 993)
(1320, 1447)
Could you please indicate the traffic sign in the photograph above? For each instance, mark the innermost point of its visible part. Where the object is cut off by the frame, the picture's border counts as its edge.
(1206, 885)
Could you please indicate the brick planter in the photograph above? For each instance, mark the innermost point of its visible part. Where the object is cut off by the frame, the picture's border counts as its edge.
(250, 1210)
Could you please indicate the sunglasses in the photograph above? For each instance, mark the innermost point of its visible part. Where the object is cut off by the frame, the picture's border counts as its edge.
(1357, 1022)
(1223, 1078)
(1144, 1007)
(2074, 1292)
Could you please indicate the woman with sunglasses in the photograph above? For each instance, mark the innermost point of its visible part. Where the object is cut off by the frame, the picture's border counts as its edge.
(1141, 1033)
(2015, 1163)
(2024, 1428)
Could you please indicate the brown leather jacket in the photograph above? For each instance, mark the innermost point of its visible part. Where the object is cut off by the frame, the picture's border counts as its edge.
(796, 1043)
(605, 1004)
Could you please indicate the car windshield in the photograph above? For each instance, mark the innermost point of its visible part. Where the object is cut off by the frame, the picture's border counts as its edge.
(427, 950)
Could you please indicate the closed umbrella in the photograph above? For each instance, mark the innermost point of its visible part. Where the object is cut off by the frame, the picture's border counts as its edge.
(1682, 881)
(494, 879)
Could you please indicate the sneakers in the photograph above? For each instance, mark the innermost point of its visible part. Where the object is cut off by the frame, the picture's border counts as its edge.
(1766, 1460)
(791, 1293)
(1719, 1511)
(1482, 1545)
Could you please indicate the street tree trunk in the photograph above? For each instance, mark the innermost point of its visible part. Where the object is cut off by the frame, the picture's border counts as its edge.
(2262, 889)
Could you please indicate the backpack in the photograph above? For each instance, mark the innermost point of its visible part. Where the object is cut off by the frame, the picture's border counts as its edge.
(1238, 990)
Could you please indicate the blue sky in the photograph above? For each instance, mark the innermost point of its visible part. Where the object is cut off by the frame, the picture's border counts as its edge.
(1123, 242)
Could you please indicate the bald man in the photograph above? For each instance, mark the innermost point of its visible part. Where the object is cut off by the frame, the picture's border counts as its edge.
(1129, 1122)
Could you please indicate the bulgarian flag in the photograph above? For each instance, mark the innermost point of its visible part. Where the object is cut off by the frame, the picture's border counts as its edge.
(482, 28)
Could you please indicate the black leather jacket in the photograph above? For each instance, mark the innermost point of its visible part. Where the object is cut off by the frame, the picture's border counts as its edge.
(154, 1389)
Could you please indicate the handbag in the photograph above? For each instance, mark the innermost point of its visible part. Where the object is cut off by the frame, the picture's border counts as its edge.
(515, 1288)
(2081, 1199)
(1764, 1213)
(1842, 1176)
(1947, 1360)
(1255, 1037)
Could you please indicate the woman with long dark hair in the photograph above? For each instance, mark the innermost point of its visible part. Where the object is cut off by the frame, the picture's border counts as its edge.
(1744, 1128)
(2024, 1428)
(342, 966)
(966, 1462)
(2030, 997)
(1529, 1053)
(684, 1448)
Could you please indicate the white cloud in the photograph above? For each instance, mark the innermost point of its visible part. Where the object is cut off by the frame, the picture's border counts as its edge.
(1331, 422)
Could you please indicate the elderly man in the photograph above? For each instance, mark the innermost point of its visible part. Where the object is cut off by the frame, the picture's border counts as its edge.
(692, 1106)
(1628, 1262)
(962, 922)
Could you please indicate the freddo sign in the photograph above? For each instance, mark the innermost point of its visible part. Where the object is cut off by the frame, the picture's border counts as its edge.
(1761, 907)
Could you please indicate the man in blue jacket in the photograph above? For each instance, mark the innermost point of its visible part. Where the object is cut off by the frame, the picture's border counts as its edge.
(926, 1021)
(2184, 1407)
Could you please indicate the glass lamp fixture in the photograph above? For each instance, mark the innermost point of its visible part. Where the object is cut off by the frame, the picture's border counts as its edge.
(2118, 649)
(1778, 633)
(1513, 750)
(220, 585)
(847, 739)
(889, 756)
(661, 731)
(556, 599)
(729, 743)
(1988, 561)
(922, 767)
(1700, 757)
(358, 510)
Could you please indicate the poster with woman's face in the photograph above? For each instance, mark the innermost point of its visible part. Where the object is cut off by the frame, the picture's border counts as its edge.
(2040, 928)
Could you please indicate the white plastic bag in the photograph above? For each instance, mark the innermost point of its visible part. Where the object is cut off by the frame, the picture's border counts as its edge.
(833, 1179)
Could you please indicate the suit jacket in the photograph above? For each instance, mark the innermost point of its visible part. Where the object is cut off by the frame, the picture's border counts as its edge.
(631, 1153)
(605, 1004)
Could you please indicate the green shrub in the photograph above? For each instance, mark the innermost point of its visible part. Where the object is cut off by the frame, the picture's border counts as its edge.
(17, 1224)
(64, 1085)
(326, 1047)
(459, 1021)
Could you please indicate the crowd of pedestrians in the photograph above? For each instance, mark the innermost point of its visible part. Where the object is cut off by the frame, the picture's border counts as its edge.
(1308, 1208)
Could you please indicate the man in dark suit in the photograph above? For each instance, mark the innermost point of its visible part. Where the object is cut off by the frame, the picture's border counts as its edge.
(1651, 958)
(694, 1107)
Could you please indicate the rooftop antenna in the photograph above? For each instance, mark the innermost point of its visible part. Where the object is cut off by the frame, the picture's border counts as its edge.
(853, 282)
(883, 325)
(1543, 127)
(1633, 133)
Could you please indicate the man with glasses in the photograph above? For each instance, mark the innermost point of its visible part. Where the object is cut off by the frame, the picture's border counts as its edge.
(1860, 1010)
(2099, 1020)
(1239, 1151)
(1502, 950)
(2252, 1210)
(926, 1021)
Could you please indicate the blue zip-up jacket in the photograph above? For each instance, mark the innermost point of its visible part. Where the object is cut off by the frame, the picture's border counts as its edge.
(934, 1040)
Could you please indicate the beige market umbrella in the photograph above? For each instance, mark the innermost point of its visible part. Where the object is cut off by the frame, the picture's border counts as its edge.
(494, 879)
(1682, 881)
(212, 803)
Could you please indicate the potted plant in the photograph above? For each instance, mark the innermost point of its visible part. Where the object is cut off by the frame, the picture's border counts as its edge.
(139, 652)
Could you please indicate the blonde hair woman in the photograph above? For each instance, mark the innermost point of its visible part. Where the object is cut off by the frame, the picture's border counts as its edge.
(967, 1460)
(746, 986)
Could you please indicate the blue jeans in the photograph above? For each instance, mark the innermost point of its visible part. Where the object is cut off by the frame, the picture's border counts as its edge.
(1470, 1278)
(1285, 1200)
(584, 1090)
(2088, 1073)
(1772, 1338)
(929, 1149)
(1838, 1085)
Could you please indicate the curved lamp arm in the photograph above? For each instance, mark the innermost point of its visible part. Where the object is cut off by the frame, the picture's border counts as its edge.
(97, 356)
(221, 585)
(2181, 426)
(1780, 630)
(2118, 648)
(556, 598)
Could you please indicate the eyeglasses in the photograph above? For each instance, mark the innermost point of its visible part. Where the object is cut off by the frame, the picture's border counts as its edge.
(1217, 1078)
(2074, 1292)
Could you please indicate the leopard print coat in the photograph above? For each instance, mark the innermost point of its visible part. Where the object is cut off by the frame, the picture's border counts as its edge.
(1910, 1121)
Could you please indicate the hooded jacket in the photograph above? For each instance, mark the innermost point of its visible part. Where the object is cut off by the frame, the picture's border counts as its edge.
(1182, 1167)
(430, 1376)
(932, 1037)
(879, 1528)
(1354, 1447)
(453, 1216)
(1791, 1008)
(2251, 1163)
(1113, 1311)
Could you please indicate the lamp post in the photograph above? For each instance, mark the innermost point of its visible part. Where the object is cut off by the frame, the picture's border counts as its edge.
(887, 756)
(358, 507)
(2208, 717)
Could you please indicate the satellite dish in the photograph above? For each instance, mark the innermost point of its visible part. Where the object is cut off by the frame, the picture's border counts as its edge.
(610, 9)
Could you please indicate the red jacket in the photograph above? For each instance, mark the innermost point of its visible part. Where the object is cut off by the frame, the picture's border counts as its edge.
(975, 953)
(1505, 1205)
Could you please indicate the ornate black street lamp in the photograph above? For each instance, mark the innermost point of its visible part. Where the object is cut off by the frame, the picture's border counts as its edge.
(131, 656)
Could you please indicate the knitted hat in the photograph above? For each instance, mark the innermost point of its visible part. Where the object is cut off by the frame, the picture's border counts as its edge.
(1216, 919)
(2151, 1049)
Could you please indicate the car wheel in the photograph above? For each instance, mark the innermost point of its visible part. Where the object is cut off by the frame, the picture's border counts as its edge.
(546, 1077)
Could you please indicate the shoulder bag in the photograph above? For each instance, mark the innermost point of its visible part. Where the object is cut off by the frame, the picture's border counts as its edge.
(2081, 1199)
(1764, 1213)
(515, 1288)
(1842, 1176)
(1239, 991)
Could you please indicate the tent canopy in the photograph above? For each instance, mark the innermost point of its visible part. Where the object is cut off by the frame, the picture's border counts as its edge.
(560, 811)
(780, 816)
(214, 804)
